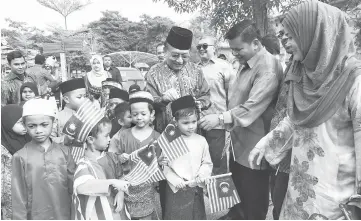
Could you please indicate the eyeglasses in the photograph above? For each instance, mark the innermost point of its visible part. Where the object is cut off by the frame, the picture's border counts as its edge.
(204, 46)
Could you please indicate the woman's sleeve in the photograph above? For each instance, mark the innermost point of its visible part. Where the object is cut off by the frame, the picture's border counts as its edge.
(19, 193)
(355, 108)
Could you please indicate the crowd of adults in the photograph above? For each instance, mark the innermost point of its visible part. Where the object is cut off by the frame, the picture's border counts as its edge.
(294, 130)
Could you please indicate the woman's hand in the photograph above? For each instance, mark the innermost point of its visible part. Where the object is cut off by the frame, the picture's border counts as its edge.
(121, 185)
(258, 150)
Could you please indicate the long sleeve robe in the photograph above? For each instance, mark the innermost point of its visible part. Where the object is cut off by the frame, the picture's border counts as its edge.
(42, 182)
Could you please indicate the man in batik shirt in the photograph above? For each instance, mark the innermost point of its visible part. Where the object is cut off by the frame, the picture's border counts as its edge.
(176, 77)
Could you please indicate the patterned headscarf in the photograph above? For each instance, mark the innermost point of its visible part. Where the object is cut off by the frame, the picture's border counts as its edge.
(97, 77)
(319, 83)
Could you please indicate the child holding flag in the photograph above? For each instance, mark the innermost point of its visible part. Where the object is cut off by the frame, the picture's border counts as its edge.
(185, 201)
(98, 193)
(43, 170)
(140, 198)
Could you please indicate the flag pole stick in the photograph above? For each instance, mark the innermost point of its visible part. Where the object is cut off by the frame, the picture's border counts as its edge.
(211, 177)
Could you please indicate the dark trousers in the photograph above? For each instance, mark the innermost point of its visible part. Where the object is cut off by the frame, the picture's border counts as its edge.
(162, 187)
(253, 189)
(216, 139)
(279, 184)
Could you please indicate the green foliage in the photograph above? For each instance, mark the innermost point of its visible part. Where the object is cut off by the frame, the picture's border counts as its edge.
(116, 33)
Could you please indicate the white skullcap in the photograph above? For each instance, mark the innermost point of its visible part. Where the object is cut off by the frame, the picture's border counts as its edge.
(39, 107)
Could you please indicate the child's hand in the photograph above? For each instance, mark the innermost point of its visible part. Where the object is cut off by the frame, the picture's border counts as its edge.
(181, 185)
(119, 201)
(124, 158)
(121, 185)
(200, 180)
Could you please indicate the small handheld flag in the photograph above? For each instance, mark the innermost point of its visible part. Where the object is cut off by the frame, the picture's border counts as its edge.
(222, 193)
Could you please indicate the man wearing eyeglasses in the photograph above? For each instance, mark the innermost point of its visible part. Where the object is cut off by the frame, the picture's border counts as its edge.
(10, 84)
(218, 73)
(250, 94)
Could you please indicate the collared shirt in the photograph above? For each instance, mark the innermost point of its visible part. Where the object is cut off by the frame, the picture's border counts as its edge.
(115, 73)
(42, 76)
(10, 87)
(218, 73)
(188, 81)
(250, 94)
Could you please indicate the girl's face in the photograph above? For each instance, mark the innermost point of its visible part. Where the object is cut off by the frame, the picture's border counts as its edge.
(141, 114)
(96, 65)
(27, 94)
(187, 125)
(292, 46)
(19, 127)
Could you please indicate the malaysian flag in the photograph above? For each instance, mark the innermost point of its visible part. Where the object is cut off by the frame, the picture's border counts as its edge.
(222, 193)
(172, 143)
(79, 126)
(146, 168)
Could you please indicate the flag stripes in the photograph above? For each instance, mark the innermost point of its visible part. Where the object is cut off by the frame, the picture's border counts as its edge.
(218, 203)
(89, 116)
(142, 173)
(172, 150)
(77, 153)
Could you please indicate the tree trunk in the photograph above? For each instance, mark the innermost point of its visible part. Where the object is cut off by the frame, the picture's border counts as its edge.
(260, 15)
(66, 26)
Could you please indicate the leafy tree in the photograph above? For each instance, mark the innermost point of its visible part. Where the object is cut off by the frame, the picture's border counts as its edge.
(225, 13)
(65, 7)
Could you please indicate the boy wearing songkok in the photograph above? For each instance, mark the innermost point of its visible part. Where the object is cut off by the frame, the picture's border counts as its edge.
(140, 199)
(73, 94)
(185, 201)
(43, 170)
(98, 193)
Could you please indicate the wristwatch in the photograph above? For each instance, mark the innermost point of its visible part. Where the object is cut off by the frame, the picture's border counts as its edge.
(221, 119)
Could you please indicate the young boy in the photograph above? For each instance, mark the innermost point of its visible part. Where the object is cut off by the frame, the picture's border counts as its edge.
(122, 118)
(73, 94)
(98, 194)
(183, 201)
(43, 170)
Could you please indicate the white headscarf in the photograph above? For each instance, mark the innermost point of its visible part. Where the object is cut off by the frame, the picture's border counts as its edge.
(96, 77)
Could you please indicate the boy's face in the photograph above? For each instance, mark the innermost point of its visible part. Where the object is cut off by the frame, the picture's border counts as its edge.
(102, 139)
(39, 127)
(141, 114)
(188, 125)
(75, 98)
(127, 120)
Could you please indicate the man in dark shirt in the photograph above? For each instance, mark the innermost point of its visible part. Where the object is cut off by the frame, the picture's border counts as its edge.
(10, 84)
(107, 60)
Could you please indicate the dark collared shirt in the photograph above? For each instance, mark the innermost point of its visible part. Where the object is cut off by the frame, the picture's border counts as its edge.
(250, 94)
(115, 73)
(10, 87)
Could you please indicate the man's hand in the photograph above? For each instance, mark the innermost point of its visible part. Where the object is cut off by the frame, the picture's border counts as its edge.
(119, 201)
(258, 150)
(170, 95)
(209, 122)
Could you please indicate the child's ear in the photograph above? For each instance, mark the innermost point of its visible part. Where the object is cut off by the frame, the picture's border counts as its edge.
(153, 113)
(120, 122)
(66, 99)
(90, 141)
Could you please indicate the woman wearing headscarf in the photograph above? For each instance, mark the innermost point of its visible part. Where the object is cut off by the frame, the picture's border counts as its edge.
(28, 91)
(323, 126)
(94, 78)
(13, 138)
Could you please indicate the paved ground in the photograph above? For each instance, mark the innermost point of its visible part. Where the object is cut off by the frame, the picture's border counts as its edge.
(210, 216)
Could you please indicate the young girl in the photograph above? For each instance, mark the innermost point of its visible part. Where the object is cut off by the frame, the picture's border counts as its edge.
(28, 91)
(185, 201)
(140, 198)
(13, 138)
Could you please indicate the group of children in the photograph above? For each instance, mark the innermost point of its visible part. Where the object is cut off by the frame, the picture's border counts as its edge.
(50, 182)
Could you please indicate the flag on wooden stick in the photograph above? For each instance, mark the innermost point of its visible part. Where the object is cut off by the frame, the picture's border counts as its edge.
(172, 143)
(222, 193)
(146, 169)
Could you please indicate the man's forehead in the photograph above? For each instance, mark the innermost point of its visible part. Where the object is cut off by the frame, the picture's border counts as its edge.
(176, 51)
(207, 40)
(18, 60)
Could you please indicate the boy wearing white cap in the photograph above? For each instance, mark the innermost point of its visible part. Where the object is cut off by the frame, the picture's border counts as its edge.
(43, 170)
